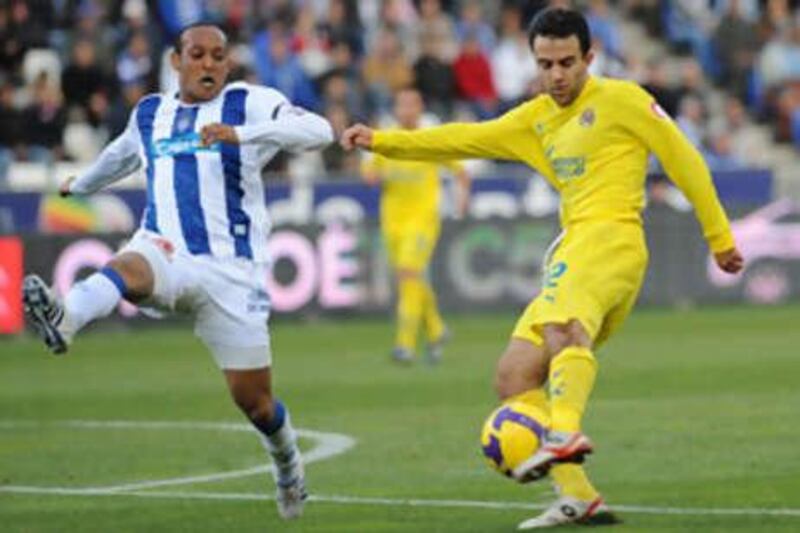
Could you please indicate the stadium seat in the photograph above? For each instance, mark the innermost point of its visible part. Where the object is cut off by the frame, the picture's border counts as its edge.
(40, 60)
(24, 176)
(81, 142)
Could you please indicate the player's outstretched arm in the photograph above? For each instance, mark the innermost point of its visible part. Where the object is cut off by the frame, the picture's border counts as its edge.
(293, 129)
(117, 160)
(510, 137)
(686, 167)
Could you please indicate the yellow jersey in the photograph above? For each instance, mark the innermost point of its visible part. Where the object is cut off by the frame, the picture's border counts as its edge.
(594, 152)
(410, 190)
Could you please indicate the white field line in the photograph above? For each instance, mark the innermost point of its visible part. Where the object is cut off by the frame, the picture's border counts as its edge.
(327, 445)
(330, 444)
(396, 502)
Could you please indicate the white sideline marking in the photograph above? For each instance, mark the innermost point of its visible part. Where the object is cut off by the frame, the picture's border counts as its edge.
(395, 502)
(330, 444)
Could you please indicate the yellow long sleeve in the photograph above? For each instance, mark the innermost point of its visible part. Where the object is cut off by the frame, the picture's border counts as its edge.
(683, 164)
(510, 137)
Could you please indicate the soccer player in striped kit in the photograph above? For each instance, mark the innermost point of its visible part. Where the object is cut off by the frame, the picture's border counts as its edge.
(201, 247)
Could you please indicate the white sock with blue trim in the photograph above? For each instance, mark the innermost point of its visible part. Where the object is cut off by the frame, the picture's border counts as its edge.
(280, 441)
(92, 298)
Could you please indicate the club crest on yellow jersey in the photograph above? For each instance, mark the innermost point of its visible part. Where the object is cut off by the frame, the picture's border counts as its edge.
(587, 118)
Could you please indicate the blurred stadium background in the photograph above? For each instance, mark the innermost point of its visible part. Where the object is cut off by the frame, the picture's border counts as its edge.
(728, 71)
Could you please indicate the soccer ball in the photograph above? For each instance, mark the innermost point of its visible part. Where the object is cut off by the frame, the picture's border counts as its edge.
(512, 434)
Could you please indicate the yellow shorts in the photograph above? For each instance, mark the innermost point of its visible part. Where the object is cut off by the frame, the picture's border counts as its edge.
(410, 247)
(594, 276)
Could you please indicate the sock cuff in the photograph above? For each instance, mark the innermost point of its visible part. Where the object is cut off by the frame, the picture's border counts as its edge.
(575, 352)
(277, 421)
(116, 279)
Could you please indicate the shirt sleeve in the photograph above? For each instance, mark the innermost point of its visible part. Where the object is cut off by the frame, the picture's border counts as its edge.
(289, 127)
(117, 160)
(684, 165)
(510, 137)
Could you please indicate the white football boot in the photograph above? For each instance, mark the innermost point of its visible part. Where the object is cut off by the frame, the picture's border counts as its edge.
(291, 492)
(45, 312)
(569, 510)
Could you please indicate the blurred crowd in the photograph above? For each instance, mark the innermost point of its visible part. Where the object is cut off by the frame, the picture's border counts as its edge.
(748, 48)
(71, 70)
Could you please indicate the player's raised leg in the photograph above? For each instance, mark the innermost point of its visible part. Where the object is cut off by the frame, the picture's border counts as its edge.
(521, 375)
(252, 392)
(126, 276)
(571, 376)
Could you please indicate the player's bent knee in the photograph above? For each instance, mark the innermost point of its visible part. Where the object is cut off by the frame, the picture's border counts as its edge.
(522, 367)
(136, 273)
(559, 337)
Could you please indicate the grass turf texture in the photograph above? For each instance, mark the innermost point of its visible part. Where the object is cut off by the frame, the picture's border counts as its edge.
(693, 409)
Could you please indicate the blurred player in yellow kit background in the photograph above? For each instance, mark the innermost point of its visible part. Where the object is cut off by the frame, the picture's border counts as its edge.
(410, 224)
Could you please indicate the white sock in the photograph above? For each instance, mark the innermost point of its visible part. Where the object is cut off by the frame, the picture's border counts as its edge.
(281, 444)
(87, 300)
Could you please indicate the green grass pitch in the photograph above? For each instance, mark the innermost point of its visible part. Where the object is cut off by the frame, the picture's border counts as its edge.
(695, 417)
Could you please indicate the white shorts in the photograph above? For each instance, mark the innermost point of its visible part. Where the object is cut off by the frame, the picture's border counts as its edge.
(227, 296)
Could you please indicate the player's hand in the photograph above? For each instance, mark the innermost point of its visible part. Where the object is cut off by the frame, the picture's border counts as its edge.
(214, 133)
(730, 261)
(358, 136)
(63, 190)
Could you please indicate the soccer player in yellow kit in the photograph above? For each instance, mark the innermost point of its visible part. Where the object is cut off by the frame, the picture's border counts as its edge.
(590, 137)
(410, 223)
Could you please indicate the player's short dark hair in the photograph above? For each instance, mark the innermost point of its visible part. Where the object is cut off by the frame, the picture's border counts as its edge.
(561, 23)
(178, 42)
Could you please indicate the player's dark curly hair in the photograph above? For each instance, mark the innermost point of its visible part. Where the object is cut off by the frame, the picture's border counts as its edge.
(561, 23)
(178, 42)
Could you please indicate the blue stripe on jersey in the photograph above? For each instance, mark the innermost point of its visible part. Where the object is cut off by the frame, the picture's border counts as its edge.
(233, 114)
(187, 187)
(145, 116)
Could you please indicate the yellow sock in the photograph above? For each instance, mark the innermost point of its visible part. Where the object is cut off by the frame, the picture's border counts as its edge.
(409, 313)
(534, 397)
(434, 325)
(570, 479)
(572, 374)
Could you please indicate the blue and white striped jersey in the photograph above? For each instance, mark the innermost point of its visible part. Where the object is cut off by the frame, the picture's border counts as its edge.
(207, 199)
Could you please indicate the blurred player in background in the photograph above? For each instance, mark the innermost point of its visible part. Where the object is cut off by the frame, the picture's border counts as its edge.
(590, 137)
(410, 223)
(202, 243)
